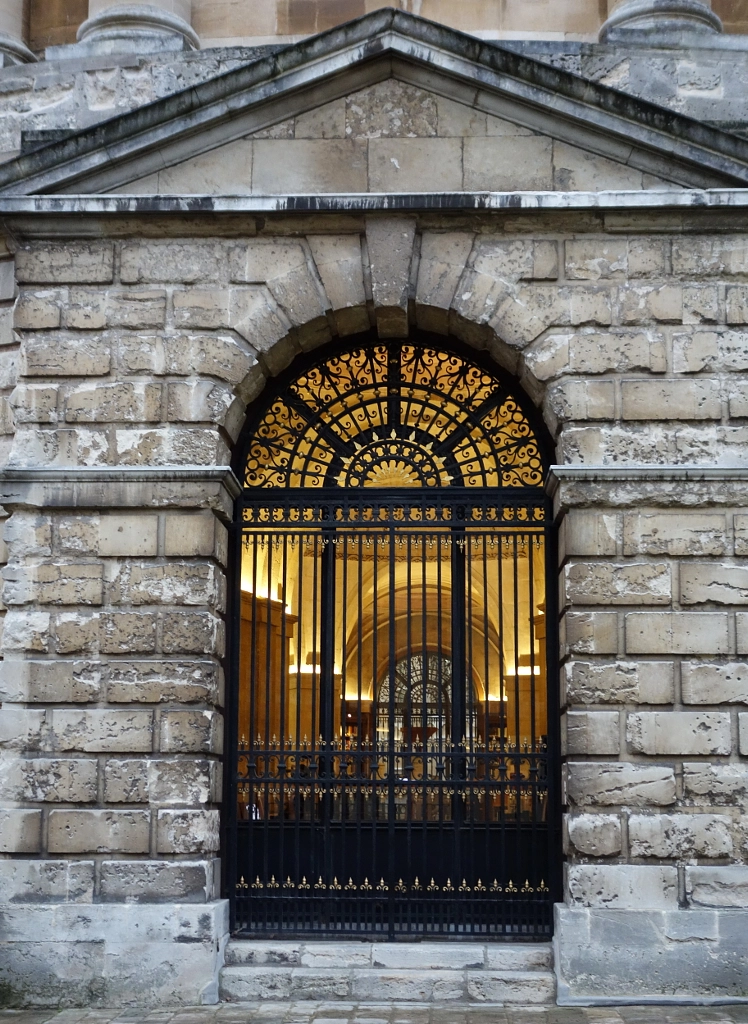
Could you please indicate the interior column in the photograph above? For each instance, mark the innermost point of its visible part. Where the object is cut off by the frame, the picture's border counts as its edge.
(114, 27)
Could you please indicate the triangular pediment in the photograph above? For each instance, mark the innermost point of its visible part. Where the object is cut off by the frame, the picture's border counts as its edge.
(388, 103)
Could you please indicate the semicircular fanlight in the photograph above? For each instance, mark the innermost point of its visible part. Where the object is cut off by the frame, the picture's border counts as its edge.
(392, 416)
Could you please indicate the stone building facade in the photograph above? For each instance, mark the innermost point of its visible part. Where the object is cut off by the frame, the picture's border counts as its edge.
(182, 227)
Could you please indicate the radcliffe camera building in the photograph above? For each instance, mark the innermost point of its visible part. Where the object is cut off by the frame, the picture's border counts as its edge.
(374, 422)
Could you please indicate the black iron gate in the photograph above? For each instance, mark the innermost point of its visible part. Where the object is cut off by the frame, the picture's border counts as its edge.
(393, 758)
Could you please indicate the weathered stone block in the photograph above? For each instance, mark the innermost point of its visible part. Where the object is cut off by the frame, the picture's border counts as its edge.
(191, 732)
(338, 260)
(592, 732)
(679, 732)
(171, 446)
(28, 533)
(109, 535)
(612, 783)
(621, 682)
(100, 730)
(25, 631)
(671, 400)
(718, 886)
(643, 303)
(191, 534)
(49, 682)
(76, 633)
(718, 784)
(136, 309)
(676, 633)
(623, 886)
(192, 633)
(741, 631)
(128, 633)
(38, 310)
(715, 350)
(188, 831)
(741, 534)
(20, 729)
(492, 166)
(184, 583)
(402, 165)
(714, 684)
(94, 831)
(68, 357)
(709, 256)
(590, 259)
(582, 400)
(680, 835)
(48, 780)
(192, 261)
(677, 534)
(20, 830)
(85, 309)
(591, 632)
(159, 781)
(53, 584)
(595, 835)
(588, 534)
(35, 403)
(156, 881)
(608, 583)
(590, 351)
(164, 680)
(443, 259)
(51, 262)
(46, 881)
(125, 402)
(713, 582)
(743, 733)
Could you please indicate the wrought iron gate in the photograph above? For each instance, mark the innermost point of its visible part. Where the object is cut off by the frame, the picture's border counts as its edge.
(393, 758)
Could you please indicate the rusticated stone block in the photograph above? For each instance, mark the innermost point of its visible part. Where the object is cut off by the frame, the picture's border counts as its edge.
(644, 303)
(592, 732)
(671, 400)
(588, 534)
(680, 835)
(192, 633)
(94, 831)
(674, 533)
(443, 259)
(591, 632)
(191, 732)
(152, 682)
(702, 683)
(719, 784)
(338, 260)
(171, 446)
(174, 583)
(390, 242)
(76, 633)
(53, 584)
(581, 400)
(35, 403)
(715, 582)
(188, 831)
(595, 835)
(50, 682)
(156, 881)
(46, 881)
(100, 730)
(609, 583)
(159, 781)
(136, 309)
(741, 535)
(679, 732)
(68, 357)
(20, 830)
(65, 262)
(717, 886)
(124, 401)
(709, 256)
(676, 633)
(623, 886)
(85, 309)
(612, 783)
(621, 682)
(48, 780)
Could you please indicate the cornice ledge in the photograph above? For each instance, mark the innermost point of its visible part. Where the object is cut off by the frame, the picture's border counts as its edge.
(643, 474)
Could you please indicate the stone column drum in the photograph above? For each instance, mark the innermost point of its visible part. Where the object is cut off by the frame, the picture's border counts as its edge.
(13, 50)
(659, 22)
(114, 27)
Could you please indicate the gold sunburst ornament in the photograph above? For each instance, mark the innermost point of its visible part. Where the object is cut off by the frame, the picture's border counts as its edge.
(394, 462)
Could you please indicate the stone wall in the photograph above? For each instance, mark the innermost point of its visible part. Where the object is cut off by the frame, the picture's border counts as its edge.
(136, 358)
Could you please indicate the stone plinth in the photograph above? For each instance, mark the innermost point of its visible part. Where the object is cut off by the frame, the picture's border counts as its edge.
(660, 22)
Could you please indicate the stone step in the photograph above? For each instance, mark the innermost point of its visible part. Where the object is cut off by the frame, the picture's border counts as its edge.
(398, 972)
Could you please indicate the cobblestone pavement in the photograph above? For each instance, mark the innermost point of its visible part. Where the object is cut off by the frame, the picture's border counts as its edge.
(387, 1013)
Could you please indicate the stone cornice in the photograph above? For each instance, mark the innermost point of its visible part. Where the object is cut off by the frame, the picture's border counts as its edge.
(674, 486)
(632, 201)
(120, 487)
